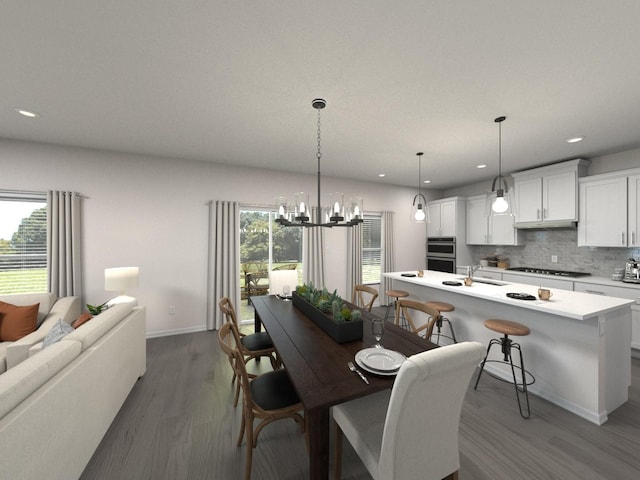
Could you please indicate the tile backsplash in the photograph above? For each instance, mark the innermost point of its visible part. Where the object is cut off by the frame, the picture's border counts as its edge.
(540, 245)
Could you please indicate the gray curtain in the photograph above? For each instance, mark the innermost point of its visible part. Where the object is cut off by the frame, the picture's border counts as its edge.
(354, 258)
(387, 255)
(64, 250)
(313, 256)
(223, 259)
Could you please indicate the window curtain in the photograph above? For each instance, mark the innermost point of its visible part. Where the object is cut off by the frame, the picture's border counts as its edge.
(223, 259)
(313, 256)
(387, 255)
(64, 251)
(354, 258)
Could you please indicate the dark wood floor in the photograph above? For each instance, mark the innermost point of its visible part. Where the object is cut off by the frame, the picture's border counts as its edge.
(178, 423)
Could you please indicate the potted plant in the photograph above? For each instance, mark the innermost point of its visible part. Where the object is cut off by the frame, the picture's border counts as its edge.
(96, 309)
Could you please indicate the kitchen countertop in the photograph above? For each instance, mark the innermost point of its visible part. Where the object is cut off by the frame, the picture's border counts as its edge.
(564, 303)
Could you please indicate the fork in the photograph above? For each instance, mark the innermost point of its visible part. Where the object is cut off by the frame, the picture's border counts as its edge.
(353, 368)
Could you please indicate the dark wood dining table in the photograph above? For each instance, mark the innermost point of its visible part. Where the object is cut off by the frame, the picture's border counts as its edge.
(317, 367)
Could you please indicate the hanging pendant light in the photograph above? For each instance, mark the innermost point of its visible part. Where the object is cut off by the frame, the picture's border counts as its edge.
(502, 203)
(337, 213)
(419, 212)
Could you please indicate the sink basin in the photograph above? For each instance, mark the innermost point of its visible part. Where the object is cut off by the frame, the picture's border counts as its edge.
(486, 281)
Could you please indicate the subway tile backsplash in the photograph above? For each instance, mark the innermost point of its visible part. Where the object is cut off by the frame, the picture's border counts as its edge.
(540, 245)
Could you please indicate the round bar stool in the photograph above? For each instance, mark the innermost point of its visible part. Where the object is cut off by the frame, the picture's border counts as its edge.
(397, 294)
(443, 307)
(506, 328)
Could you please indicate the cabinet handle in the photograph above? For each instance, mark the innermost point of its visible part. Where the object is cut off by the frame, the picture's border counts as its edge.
(595, 292)
(622, 238)
(544, 213)
(633, 238)
(538, 214)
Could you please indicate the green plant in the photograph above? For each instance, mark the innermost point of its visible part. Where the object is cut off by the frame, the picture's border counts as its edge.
(96, 309)
(326, 302)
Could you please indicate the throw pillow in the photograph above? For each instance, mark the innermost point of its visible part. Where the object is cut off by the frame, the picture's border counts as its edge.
(17, 321)
(57, 333)
(84, 318)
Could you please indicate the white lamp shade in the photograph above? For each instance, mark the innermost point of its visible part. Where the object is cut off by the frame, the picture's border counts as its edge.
(121, 278)
(280, 278)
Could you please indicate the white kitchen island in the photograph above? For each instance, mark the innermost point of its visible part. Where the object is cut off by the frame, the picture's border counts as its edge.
(578, 349)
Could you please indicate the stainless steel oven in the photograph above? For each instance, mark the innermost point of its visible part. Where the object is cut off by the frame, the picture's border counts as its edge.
(441, 254)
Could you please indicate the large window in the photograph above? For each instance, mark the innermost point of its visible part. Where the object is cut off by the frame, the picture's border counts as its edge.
(371, 248)
(23, 242)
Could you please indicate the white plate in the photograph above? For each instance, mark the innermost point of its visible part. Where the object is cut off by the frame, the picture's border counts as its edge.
(380, 359)
(375, 372)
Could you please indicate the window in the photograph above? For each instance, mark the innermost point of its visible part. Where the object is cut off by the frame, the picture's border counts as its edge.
(23, 242)
(371, 248)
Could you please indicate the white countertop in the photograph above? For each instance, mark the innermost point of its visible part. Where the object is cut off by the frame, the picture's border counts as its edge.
(565, 303)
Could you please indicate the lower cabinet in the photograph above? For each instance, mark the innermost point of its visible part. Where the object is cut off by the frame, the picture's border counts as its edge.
(545, 281)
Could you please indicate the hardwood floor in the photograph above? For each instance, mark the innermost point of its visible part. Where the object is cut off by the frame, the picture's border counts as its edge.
(179, 423)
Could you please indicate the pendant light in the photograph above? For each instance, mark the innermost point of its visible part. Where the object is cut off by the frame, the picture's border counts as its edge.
(419, 212)
(501, 204)
(337, 213)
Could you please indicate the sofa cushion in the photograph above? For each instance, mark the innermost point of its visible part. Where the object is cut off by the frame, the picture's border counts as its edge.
(17, 383)
(3, 355)
(83, 318)
(59, 330)
(17, 321)
(46, 301)
(91, 331)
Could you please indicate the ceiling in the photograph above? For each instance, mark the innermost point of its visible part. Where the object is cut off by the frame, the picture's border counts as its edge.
(232, 82)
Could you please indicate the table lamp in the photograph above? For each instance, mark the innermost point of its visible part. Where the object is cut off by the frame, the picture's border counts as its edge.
(121, 279)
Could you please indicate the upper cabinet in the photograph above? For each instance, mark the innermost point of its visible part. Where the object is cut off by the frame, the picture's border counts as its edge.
(609, 210)
(483, 229)
(446, 217)
(548, 195)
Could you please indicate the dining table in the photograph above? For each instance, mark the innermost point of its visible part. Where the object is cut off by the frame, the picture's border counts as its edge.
(317, 366)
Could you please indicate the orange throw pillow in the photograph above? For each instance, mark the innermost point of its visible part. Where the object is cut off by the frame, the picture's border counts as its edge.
(16, 321)
(84, 318)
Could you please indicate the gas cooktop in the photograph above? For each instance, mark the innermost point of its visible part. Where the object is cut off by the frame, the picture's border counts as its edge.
(546, 271)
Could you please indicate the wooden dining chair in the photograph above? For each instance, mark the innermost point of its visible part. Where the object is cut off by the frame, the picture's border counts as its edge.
(393, 433)
(228, 345)
(251, 345)
(359, 294)
(408, 309)
(268, 397)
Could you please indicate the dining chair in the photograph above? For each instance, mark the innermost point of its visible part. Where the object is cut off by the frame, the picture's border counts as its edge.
(268, 397)
(359, 293)
(409, 309)
(412, 430)
(227, 345)
(251, 345)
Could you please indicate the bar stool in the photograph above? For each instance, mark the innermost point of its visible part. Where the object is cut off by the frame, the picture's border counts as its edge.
(397, 294)
(506, 328)
(443, 307)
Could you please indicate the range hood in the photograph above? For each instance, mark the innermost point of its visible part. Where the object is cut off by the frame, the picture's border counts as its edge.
(545, 225)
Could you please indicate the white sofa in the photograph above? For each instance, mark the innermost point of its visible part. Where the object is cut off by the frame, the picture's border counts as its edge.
(56, 405)
(51, 309)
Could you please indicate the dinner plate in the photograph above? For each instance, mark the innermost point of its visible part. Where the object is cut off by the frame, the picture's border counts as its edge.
(380, 360)
(375, 372)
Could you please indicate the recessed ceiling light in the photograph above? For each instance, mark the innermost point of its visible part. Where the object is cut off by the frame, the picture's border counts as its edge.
(27, 113)
(575, 139)
(381, 175)
(482, 165)
(427, 181)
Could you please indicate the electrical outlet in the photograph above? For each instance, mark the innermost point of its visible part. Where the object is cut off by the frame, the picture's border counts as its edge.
(554, 258)
(172, 310)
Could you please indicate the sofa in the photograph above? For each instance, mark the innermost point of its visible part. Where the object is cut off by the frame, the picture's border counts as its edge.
(50, 310)
(57, 405)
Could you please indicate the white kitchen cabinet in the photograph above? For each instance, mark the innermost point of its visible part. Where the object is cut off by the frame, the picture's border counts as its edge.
(486, 274)
(635, 330)
(445, 216)
(483, 229)
(610, 210)
(548, 194)
(544, 281)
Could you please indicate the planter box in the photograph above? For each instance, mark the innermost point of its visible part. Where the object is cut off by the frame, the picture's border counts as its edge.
(340, 332)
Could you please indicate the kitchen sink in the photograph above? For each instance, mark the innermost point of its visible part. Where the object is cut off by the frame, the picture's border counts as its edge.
(486, 281)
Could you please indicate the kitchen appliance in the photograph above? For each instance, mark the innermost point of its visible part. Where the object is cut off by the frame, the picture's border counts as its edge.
(441, 254)
(632, 271)
(547, 271)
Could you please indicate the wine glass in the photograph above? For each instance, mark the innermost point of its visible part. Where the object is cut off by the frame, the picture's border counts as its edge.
(377, 329)
(286, 290)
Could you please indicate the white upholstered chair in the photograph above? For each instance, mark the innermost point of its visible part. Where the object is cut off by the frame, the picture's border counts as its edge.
(411, 432)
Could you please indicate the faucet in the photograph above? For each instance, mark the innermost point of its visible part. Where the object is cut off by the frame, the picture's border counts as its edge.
(471, 269)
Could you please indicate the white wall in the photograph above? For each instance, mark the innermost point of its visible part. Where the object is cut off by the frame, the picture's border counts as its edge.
(152, 213)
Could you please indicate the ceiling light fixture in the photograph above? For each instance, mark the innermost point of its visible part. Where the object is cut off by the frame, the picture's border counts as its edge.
(575, 139)
(500, 205)
(419, 212)
(27, 113)
(336, 213)
(482, 165)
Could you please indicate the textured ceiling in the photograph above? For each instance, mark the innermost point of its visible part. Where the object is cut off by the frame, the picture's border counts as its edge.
(232, 81)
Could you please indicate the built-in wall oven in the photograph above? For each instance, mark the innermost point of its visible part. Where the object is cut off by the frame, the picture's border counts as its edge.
(441, 254)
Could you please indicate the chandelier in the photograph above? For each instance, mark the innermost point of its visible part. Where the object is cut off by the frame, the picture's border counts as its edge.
(336, 213)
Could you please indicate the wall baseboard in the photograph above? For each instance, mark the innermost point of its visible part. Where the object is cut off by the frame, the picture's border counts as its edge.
(177, 331)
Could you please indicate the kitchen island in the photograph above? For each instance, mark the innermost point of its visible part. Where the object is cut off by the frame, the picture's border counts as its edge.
(578, 349)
